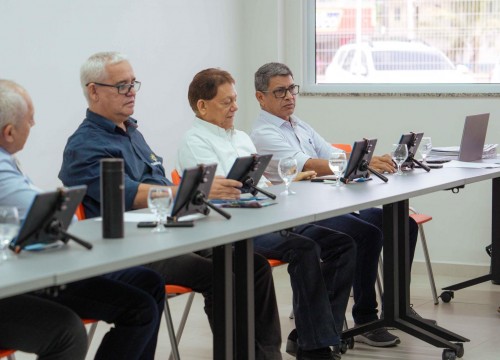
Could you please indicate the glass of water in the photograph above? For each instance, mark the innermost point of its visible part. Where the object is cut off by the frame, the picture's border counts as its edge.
(9, 227)
(337, 162)
(287, 169)
(425, 147)
(159, 202)
(399, 154)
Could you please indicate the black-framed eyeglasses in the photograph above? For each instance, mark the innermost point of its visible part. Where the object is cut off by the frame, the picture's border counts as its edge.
(280, 93)
(123, 89)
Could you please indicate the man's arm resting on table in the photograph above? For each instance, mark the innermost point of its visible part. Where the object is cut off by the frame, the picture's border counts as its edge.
(319, 165)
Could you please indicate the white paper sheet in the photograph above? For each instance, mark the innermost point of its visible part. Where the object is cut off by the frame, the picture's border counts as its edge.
(470, 165)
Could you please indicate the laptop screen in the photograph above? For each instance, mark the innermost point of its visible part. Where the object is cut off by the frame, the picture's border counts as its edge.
(473, 137)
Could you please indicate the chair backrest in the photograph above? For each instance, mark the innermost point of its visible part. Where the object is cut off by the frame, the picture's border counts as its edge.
(176, 178)
(80, 212)
(346, 147)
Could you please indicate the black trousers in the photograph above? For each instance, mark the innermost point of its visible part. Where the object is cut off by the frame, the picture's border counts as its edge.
(131, 299)
(39, 326)
(196, 271)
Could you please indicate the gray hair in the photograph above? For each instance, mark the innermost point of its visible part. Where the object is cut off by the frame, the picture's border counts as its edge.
(13, 105)
(268, 71)
(94, 69)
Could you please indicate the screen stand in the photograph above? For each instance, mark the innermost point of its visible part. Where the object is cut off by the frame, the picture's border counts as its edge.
(411, 155)
(419, 163)
(55, 228)
(364, 166)
(250, 183)
(198, 199)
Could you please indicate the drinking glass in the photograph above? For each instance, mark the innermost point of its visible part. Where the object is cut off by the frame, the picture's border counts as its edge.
(425, 147)
(287, 169)
(159, 202)
(9, 227)
(337, 162)
(399, 154)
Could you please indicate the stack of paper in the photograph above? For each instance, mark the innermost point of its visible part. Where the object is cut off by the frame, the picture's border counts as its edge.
(451, 152)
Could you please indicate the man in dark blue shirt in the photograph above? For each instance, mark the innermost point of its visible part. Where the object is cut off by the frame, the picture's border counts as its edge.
(108, 131)
(98, 138)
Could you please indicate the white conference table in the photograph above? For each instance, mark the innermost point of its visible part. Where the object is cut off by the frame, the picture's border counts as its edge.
(312, 202)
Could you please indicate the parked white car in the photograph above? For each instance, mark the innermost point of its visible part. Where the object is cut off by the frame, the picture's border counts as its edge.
(393, 62)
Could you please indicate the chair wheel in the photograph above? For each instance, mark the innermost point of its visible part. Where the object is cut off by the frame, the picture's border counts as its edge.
(350, 343)
(446, 296)
(460, 351)
(449, 354)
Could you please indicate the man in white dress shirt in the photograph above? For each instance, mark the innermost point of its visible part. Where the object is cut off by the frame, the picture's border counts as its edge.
(320, 261)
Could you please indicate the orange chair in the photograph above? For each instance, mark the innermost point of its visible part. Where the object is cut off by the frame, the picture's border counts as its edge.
(421, 219)
(9, 354)
(273, 263)
(176, 178)
(175, 338)
(91, 332)
(346, 147)
(80, 212)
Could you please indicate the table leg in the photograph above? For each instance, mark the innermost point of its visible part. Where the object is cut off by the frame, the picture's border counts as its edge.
(223, 302)
(397, 285)
(244, 302)
(494, 274)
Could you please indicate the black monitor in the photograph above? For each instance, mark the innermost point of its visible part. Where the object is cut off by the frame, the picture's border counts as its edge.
(412, 141)
(358, 164)
(48, 218)
(248, 170)
(192, 195)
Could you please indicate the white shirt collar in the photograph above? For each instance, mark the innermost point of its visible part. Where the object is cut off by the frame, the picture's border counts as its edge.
(212, 128)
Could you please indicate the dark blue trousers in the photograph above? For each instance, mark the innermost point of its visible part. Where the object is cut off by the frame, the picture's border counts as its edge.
(321, 267)
(131, 299)
(366, 228)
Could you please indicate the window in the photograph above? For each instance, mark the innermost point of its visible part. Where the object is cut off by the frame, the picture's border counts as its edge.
(411, 45)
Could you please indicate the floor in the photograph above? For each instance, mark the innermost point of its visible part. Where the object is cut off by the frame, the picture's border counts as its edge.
(472, 313)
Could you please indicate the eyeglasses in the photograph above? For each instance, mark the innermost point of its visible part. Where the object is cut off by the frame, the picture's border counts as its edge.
(123, 89)
(280, 93)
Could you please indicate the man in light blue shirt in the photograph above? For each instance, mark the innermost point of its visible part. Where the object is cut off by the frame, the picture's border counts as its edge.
(277, 131)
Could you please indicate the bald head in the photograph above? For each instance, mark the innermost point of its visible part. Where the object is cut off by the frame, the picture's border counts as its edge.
(16, 116)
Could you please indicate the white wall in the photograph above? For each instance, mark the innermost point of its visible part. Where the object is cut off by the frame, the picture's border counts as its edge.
(43, 44)
(461, 226)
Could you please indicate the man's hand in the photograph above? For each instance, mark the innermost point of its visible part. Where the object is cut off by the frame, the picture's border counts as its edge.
(305, 175)
(223, 188)
(383, 164)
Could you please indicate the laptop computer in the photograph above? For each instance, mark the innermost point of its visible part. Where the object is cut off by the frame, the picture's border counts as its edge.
(472, 145)
(473, 137)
